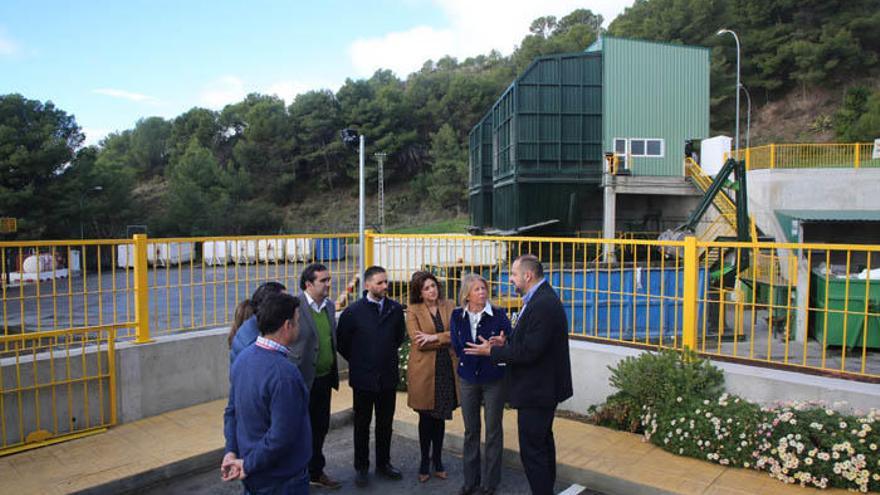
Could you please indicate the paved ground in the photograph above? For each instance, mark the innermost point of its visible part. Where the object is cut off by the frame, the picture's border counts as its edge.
(187, 440)
(339, 449)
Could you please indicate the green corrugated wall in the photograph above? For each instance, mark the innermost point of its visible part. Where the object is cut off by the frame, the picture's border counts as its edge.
(654, 90)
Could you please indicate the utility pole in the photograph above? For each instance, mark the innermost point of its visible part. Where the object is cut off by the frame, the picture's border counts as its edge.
(381, 158)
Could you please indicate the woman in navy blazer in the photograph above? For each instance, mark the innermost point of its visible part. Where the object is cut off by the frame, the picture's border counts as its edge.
(481, 383)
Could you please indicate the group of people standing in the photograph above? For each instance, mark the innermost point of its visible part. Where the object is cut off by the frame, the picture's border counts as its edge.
(464, 353)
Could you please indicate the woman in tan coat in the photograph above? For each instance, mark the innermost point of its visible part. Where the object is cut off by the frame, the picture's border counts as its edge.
(431, 371)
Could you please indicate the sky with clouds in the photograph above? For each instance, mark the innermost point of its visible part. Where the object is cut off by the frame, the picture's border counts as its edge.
(111, 63)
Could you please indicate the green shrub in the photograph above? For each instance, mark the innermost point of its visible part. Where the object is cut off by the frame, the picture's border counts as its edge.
(676, 402)
(652, 380)
(618, 412)
(403, 355)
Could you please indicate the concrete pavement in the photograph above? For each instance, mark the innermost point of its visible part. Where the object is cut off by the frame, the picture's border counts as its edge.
(187, 440)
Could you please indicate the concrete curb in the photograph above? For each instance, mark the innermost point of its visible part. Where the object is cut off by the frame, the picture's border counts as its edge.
(196, 464)
(593, 479)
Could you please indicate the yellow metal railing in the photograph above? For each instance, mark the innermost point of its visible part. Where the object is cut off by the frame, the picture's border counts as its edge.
(809, 155)
(809, 307)
(763, 303)
(151, 287)
(196, 282)
(56, 385)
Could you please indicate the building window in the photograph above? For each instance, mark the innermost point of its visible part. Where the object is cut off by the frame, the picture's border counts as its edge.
(646, 147)
(649, 147)
(637, 147)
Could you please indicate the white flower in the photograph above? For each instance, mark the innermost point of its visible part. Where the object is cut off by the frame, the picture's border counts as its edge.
(678, 399)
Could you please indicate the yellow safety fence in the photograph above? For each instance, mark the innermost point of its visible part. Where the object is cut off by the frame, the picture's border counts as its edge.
(56, 385)
(795, 306)
(809, 155)
(808, 307)
(151, 287)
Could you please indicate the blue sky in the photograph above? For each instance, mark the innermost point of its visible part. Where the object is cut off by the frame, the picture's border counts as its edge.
(112, 62)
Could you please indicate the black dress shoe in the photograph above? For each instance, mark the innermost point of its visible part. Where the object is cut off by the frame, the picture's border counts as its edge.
(362, 478)
(468, 490)
(390, 472)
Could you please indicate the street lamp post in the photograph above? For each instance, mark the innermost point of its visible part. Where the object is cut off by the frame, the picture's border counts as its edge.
(350, 138)
(82, 198)
(736, 38)
(748, 116)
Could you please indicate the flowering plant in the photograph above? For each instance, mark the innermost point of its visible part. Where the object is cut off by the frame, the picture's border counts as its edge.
(808, 443)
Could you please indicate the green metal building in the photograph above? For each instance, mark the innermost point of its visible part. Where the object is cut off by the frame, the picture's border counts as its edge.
(553, 124)
(656, 98)
(480, 180)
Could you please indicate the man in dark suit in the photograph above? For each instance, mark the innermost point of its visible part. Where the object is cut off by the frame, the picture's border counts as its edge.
(370, 332)
(314, 353)
(538, 369)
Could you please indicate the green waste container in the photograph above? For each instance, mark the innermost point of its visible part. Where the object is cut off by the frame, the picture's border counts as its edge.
(850, 309)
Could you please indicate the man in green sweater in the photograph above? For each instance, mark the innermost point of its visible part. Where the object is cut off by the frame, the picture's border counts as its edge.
(314, 352)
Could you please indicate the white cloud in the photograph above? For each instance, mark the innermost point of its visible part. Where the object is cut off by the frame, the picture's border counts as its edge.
(475, 28)
(232, 89)
(287, 90)
(94, 135)
(125, 95)
(223, 91)
(8, 46)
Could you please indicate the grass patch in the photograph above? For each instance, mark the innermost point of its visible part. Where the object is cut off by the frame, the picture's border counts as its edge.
(457, 225)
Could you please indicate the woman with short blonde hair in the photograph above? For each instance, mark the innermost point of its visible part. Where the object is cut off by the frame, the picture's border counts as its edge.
(481, 382)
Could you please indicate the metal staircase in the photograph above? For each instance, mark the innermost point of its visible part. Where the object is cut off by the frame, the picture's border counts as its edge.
(723, 225)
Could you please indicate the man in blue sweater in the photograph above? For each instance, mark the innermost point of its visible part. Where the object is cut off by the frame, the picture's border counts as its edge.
(266, 423)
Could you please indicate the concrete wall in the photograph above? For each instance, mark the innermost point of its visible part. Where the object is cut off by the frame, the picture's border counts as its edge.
(171, 372)
(809, 189)
(590, 362)
(183, 370)
(174, 372)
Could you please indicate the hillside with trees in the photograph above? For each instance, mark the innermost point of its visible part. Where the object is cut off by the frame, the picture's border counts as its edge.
(263, 166)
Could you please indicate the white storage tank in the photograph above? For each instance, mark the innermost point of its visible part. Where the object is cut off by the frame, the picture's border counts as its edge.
(41, 263)
(269, 250)
(298, 250)
(243, 251)
(125, 256)
(216, 252)
(169, 253)
(712, 152)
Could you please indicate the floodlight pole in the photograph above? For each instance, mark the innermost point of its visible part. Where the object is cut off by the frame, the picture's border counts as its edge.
(361, 241)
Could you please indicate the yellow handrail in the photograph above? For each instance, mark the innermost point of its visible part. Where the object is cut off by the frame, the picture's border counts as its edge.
(809, 155)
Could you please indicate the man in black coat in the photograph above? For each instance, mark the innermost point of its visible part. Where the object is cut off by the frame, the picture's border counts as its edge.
(538, 369)
(369, 334)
